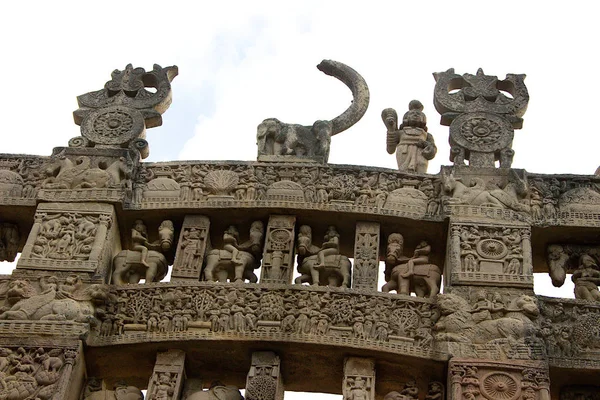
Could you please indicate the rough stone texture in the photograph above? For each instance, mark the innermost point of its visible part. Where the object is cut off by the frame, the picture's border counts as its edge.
(76, 306)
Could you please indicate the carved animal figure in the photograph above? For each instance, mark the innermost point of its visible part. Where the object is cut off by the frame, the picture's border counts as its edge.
(48, 305)
(458, 325)
(66, 174)
(128, 267)
(217, 391)
(337, 271)
(424, 281)
(221, 265)
(277, 138)
(478, 195)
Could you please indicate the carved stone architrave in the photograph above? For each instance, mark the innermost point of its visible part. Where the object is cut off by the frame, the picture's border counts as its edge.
(73, 237)
(359, 378)
(9, 241)
(486, 254)
(366, 256)
(168, 376)
(480, 379)
(191, 249)
(278, 253)
(264, 381)
(42, 368)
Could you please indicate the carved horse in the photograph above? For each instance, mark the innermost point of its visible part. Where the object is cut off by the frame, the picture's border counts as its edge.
(424, 282)
(337, 268)
(220, 267)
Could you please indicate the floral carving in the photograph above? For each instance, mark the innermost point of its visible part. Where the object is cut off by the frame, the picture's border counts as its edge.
(481, 130)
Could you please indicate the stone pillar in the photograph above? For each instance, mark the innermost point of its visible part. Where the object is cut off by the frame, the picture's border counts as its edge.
(278, 253)
(366, 256)
(191, 249)
(359, 378)
(71, 237)
(264, 381)
(527, 257)
(168, 376)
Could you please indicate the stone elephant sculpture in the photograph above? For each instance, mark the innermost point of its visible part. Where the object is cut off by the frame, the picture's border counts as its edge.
(337, 271)
(217, 392)
(424, 281)
(220, 267)
(129, 269)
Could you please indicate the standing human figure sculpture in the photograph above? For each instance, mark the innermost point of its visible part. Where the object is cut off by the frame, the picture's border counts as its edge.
(413, 145)
(586, 279)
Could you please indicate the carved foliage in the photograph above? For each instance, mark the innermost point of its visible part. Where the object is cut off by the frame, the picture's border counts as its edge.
(264, 380)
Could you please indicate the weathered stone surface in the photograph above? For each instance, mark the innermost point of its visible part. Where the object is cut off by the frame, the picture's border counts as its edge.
(264, 380)
(168, 376)
(359, 379)
(191, 250)
(366, 256)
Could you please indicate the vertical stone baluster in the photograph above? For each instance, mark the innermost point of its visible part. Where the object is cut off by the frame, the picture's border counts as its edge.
(278, 253)
(366, 256)
(168, 376)
(191, 249)
(527, 258)
(359, 378)
(264, 381)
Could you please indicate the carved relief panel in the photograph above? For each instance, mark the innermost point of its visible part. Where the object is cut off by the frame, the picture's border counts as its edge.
(168, 376)
(470, 379)
(264, 380)
(191, 248)
(483, 254)
(366, 256)
(278, 254)
(42, 371)
(71, 237)
(359, 379)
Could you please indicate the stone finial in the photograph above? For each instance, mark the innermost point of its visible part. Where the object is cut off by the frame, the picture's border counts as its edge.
(118, 115)
(482, 118)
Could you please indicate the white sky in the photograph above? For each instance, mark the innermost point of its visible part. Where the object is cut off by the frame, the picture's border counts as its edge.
(242, 62)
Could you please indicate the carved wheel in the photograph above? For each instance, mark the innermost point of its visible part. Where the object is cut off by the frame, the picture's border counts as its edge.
(113, 125)
(481, 132)
(500, 386)
(280, 238)
(492, 249)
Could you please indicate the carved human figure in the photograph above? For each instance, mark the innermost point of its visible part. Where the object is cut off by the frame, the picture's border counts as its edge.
(414, 274)
(586, 279)
(331, 246)
(358, 391)
(230, 243)
(414, 147)
(145, 259)
(139, 238)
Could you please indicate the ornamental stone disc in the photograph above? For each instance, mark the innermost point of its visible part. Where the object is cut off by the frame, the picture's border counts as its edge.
(481, 132)
(500, 386)
(114, 125)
